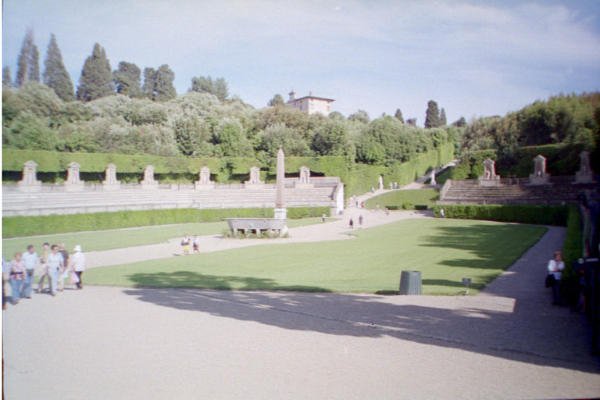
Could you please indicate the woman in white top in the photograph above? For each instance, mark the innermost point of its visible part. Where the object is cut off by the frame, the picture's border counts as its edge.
(555, 267)
(77, 263)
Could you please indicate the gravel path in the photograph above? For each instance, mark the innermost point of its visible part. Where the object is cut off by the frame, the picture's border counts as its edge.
(99, 343)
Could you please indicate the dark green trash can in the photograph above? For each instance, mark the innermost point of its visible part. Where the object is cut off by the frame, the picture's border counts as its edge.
(410, 282)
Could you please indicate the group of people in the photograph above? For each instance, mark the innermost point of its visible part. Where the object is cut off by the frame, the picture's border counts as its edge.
(187, 241)
(54, 264)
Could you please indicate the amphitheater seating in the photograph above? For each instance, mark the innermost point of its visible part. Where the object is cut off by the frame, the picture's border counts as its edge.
(561, 190)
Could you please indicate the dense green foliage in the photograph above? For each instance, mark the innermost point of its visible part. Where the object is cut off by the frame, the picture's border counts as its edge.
(404, 199)
(51, 224)
(572, 123)
(525, 214)
(56, 76)
(127, 79)
(96, 76)
(573, 244)
(28, 67)
(444, 251)
(205, 84)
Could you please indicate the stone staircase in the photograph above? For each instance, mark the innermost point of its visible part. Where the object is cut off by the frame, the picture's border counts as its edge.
(561, 190)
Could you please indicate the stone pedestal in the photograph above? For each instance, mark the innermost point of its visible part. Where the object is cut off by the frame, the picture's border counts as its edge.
(73, 182)
(489, 177)
(254, 181)
(585, 174)
(280, 213)
(29, 182)
(204, 181)
(110, 181)
(539, 179)
(149, 182)
(539, 176)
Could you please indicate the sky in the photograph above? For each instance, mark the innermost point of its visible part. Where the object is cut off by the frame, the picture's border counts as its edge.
(474, 58)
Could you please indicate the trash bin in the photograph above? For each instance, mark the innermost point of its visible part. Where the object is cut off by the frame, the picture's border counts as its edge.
(410, 282)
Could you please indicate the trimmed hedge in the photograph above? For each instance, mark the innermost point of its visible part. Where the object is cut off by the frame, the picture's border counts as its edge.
(573, 245)
(525, 214)
(405, 199)
(48, 224)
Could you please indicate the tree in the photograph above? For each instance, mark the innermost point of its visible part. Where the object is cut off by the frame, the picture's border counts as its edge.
(411, 121)
(432, 115)
(28, 66)
(205, 84)
(459, 123)
(6, 80)
(443, 121)
(330, 139)
(163, 84)
(276, 101)
(149, 82)
(96, 76)
(127, 79)
(398, 115)
(361, 116)
(56, 76)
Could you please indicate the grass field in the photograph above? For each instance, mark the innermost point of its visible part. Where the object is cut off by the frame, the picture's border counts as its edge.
(119, 238)
(444, 251)
(398, 198)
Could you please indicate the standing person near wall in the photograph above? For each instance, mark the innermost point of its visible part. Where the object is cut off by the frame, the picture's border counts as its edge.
(31, 259)
(44, 267)
(555, 268)
(78, 265)
(55, 266)
(17, 277)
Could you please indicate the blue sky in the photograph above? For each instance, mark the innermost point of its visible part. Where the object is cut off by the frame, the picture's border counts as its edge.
(473, 57)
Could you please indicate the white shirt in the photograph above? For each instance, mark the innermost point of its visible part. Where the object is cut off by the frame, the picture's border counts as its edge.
(556, 268)
(78, 261)
(30, 260)
(55, 261)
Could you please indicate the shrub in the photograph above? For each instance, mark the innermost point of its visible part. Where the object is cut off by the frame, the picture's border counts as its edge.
(48, 224)
(573, 245)
(526, 214)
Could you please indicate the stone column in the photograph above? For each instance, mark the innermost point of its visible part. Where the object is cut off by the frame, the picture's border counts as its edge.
(110, 181)
(148, 182)
(73, 182)
(29, 182)
(539, 176)
(280, 210)
(585, 174)
(204, 181)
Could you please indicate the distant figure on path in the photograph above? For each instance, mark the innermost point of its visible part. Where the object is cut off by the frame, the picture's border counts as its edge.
(351, 223)
(31, 259)
(55, 266)
(360, 220)
(323, 218)
(555, 267)
(78, 266)
(442, 213)
(17, 277)
(44, 269)
(63, 273)
(196, 244)
(185, 245)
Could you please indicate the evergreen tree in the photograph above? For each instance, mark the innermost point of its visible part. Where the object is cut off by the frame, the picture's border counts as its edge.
(399, 116)
(163, 84)
(28, 61)
(6, 80)
(55, 74)
(460, 122)
(432, 115)
(127, 79)
(149, 83)
(276, 101)
(411, 121)
(205, 84)
(96, 76)
(443, 121)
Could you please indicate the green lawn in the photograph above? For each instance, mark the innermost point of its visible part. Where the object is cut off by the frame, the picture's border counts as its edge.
(119, 238)
(444, 251)
(398, 198)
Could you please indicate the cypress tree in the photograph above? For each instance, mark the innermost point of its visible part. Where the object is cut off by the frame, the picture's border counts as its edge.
(24, 60)
(163, 84)
(6, 80)
(443, 121)
(56, 76)
(149, 82)
(398, 115)
(34, 64)
(127, 79)
(96, 76)
(432, 115)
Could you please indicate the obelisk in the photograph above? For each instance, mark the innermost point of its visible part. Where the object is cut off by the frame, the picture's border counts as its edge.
(280, 211)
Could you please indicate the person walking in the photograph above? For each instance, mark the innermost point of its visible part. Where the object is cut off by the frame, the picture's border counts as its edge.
(196, 244)
(351, 223)
(17, 276)
(78, 265)
(360, 220)
(185, 245)
(55, 266)
(63, 273)
(30, 259)
(44, 267)
(555, 267)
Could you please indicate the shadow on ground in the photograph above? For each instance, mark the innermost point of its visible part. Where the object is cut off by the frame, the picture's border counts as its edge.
(496, 331)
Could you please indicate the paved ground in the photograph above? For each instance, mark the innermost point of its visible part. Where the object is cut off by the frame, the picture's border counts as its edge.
(100, 343)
